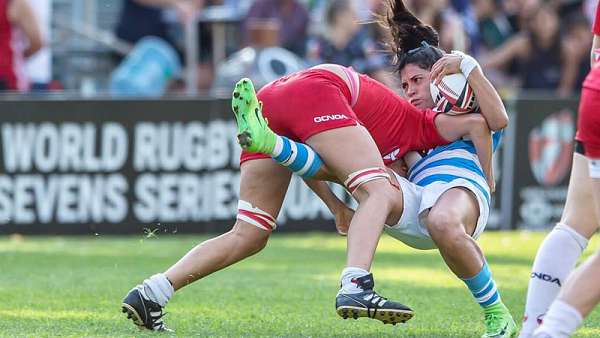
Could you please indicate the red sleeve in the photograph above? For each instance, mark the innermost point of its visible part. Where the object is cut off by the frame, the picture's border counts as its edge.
(428, 137)
(596, 27)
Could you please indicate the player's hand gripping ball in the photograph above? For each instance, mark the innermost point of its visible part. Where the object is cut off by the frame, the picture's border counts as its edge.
(449, 87)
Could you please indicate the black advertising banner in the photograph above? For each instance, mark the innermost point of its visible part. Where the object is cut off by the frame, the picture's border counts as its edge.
(127, 167)
(495, 219)
(82, 166)
(543, 156)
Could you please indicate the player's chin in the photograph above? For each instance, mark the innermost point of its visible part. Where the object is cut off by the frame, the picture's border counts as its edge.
(420, 104)
(424, 105)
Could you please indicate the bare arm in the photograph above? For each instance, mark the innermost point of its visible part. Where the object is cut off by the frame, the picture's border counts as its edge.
(490, 103)
(343, 214)
(21, 14)
(570, 60)
(475, 127)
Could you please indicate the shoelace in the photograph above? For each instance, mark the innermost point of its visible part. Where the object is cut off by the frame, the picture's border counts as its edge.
(375, 299)
(157, 322)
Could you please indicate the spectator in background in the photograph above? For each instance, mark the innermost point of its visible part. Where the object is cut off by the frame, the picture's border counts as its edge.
(577, 42)
(20, 38)
(495, 27)
(140, 18)
(288, 18)
(346, 42)
(545, 62)
(444, 19)
(464, 9)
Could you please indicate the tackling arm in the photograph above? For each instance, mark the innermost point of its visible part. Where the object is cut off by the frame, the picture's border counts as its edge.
(476, 128)
(342, 213)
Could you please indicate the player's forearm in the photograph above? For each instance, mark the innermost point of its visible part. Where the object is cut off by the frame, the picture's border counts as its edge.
(490, 103)
(322, 190)
(22, 16)
(568, 76)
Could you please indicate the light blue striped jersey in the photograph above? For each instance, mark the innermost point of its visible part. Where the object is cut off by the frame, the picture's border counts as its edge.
(453, 161)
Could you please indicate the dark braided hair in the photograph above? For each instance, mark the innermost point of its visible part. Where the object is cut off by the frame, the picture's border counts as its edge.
(412, 42)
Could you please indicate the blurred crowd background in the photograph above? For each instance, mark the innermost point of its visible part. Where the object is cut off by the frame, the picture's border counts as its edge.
(154, 48)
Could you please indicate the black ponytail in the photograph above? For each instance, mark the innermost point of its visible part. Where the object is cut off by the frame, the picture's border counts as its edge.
(412, 42)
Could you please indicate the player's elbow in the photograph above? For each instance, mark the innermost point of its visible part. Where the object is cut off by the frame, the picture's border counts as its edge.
(499, 123)
(35, 45)
(497, 120)
(500, 120)
(477, 124)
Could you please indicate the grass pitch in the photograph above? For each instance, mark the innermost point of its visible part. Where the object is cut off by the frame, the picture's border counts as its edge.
(61, 286)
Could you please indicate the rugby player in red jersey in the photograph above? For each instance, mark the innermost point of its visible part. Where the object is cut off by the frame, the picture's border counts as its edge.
(557, 255)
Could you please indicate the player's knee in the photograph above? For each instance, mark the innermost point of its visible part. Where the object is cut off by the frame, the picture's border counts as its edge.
(248, 239)
(256, 245)
(445, 226)
(378, 191)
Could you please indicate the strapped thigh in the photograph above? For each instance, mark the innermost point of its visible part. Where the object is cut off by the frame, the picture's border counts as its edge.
(255, 216)
(358, 178)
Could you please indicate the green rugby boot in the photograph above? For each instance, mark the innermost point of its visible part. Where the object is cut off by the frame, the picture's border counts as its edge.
(498, 322)
(254, 135)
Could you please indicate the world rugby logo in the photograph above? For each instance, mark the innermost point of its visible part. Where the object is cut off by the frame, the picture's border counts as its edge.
(551, 147)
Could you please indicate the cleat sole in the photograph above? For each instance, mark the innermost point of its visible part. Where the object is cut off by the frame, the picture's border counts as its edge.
(386, 316)
(244, 140)
(133, 315)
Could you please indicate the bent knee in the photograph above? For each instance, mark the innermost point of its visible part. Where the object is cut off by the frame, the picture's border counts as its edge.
(446, 225)
(381, 190)
(248, 237)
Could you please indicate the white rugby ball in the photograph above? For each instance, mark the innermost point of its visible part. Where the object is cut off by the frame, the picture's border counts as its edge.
(453, 95)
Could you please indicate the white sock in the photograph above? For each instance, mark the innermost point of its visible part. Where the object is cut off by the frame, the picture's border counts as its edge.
(555, 260)
(561, 320)
(348, 274)
(158, 289)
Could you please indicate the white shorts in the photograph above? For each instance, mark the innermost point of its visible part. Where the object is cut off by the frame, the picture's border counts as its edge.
(411, 229)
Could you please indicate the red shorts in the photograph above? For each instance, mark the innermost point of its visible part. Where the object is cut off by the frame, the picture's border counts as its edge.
(588, 122)
(303, 104)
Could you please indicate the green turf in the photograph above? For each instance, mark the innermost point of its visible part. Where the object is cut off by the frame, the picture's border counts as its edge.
(73, 287)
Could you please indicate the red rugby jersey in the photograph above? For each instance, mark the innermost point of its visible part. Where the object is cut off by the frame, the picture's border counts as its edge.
(592, 80)
(396, 126)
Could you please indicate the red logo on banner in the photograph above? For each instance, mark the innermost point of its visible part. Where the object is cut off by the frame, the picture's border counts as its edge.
(551, 148)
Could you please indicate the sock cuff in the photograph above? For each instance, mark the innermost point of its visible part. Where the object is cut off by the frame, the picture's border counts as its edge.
(580, 239)
(568, 308)
(480, 280)
(279, 144)
(350, 270)
(163, 283)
